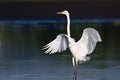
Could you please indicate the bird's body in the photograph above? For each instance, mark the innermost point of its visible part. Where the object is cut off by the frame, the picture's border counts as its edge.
(79, 49)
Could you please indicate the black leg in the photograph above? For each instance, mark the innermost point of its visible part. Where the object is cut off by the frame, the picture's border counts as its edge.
(75, 70)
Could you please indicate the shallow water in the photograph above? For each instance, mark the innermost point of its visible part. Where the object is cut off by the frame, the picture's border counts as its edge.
(57, 67)
(22, 58)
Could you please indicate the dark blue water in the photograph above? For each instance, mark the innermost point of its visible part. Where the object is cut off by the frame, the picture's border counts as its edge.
(57, 67)
(22, 57)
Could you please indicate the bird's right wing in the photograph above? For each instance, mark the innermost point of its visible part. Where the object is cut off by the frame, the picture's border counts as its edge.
(57, 45)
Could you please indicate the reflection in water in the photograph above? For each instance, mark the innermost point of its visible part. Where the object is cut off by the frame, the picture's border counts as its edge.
(21, 56)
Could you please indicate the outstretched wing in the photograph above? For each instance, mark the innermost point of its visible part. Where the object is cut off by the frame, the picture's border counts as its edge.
(57, 45)
(88, 40)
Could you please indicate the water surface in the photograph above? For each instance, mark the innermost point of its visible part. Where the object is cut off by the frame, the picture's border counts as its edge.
(22, 57)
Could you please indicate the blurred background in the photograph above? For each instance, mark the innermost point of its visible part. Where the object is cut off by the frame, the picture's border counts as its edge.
(26, 26)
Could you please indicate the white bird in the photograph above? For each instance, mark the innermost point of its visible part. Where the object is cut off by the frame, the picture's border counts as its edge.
(79, 49)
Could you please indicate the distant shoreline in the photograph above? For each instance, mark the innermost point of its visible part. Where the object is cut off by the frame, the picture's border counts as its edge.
(44, 10)
(55, 21)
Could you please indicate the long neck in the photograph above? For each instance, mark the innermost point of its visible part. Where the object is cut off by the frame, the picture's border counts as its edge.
(68, 26)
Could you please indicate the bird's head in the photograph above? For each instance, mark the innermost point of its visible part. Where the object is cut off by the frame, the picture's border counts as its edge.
(65, 12)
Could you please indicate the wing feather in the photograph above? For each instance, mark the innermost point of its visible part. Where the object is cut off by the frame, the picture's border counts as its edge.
(57, 45)
(88, 40)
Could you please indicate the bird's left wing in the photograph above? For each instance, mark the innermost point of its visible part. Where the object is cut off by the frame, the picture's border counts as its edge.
(88, 40)
(57, 45)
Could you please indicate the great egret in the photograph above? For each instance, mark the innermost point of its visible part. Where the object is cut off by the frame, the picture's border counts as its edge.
(79, 49)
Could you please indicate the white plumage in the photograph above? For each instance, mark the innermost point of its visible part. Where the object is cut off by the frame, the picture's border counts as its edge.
(79, 49)
(84, 46)
(57, 45)
(88, 40)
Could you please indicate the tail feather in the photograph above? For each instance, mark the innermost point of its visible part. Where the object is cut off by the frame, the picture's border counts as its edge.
(84, 59)
(87, 58)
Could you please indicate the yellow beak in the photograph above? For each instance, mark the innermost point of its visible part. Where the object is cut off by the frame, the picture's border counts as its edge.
(60, 12)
